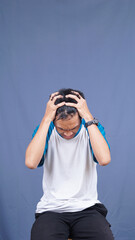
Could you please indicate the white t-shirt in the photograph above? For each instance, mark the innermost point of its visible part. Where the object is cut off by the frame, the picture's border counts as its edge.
(69, 172)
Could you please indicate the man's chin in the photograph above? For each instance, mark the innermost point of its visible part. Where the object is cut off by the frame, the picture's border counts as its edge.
(69, 137)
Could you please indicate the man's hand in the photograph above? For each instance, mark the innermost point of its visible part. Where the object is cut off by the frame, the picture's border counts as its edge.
(51, 107)
(81, 106)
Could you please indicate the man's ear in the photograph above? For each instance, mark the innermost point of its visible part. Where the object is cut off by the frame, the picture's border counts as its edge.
(79, 116)
(56, 118)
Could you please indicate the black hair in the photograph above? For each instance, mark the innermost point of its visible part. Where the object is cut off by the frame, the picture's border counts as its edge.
(66, 111)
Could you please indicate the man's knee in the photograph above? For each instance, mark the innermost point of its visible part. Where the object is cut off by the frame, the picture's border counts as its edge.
(105, 233)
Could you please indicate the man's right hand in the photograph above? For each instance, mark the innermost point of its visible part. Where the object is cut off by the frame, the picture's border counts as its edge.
(51, 107)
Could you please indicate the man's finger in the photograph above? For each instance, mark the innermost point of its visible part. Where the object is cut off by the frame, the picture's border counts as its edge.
(60, 104)
(72, 96)
(53, 94)
(56, 97)
(71, 104)
(77, 94)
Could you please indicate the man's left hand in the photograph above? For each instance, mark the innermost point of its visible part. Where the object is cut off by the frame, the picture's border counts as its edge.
(81, 106)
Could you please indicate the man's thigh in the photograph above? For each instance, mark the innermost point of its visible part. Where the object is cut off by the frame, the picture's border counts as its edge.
(91, 226)
(49, 226)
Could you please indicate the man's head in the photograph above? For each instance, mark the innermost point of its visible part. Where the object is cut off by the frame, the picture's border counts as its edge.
(66, 111)
(67, 119)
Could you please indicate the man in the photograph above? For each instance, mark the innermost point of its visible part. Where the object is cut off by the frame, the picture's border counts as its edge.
(69, 143)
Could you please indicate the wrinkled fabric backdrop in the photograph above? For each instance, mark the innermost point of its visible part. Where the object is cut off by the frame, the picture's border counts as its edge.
(51, 44)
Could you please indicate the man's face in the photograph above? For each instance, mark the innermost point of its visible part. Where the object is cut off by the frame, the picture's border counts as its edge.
(68, 127)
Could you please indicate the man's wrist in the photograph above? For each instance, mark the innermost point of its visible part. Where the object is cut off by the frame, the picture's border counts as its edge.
(46, 120)
(88, 118)
(89, 123)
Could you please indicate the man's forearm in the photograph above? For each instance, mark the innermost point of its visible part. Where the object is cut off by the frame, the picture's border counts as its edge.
(35, 149)
(98, 143)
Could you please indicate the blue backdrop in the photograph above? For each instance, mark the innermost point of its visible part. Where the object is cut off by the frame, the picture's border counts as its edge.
(82, 44)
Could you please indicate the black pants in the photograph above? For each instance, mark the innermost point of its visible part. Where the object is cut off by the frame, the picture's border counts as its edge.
(89, 224)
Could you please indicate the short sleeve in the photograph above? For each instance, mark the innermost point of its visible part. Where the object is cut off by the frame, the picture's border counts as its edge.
(34, 132)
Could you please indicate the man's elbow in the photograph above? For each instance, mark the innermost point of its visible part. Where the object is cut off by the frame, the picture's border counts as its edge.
(29, 163)
(105, 161)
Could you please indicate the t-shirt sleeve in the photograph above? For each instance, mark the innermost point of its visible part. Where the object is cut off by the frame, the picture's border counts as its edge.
(101, 129)
(47, 140)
